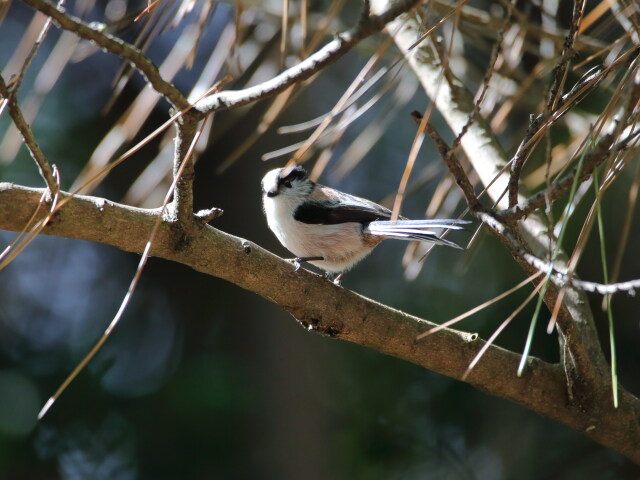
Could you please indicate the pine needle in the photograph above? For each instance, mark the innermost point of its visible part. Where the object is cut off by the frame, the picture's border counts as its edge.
(479, 307)
(132, 287)
(605, 270)
(534, 319)
(502, 326)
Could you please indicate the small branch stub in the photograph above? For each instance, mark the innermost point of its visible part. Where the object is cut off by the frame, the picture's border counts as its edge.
(207, 215)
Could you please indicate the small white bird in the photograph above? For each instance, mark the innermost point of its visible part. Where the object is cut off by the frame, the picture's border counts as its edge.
(331, 229)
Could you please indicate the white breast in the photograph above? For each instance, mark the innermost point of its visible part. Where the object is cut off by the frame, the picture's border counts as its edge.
(341, 245)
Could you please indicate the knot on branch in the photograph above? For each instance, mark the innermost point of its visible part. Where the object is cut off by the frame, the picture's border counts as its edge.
(317, 325)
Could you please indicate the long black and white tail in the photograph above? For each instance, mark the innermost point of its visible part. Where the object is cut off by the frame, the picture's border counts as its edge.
(421, 230)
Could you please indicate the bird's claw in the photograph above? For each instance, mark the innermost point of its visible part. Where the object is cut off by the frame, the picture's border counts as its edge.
(298, 260)
(337, 281)
(295, 262)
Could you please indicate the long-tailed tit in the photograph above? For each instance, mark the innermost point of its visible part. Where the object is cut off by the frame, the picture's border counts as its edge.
(331, 229)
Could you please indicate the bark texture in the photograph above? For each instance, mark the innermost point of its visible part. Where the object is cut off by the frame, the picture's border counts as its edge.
(321, 306)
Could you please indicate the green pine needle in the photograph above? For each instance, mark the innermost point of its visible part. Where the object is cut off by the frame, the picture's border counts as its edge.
(603, 255)
(543, 291)
(532, 326)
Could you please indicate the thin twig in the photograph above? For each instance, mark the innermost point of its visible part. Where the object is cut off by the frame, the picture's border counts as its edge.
(519, 158)
(328, 54)
(562, 186)
(113, 45)
(562, 278)
(132, 286)
(453, 164)
(483, 21)
(568, 52)
(554, 97)
(495, 52)
(17, 80)
(29, 140)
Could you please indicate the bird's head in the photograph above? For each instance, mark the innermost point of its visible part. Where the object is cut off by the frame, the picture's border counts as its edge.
(287, 181)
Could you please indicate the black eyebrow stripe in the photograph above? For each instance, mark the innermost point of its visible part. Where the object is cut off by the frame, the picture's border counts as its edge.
(297, 173)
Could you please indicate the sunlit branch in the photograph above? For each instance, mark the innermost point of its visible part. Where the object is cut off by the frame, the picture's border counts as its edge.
(340, 45)
(323, 307)
(488, 159)
(115, 45)
(561, 277)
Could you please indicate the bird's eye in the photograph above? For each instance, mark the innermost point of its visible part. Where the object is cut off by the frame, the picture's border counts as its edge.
(287, 184)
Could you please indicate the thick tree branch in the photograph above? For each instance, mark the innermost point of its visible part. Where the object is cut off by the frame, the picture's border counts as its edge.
(321, 306)
(531, 264)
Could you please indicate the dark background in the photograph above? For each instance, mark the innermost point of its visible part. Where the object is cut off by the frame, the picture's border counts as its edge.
(204, 380)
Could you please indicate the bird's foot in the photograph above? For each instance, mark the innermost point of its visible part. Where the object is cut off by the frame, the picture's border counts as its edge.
(336, 280)
(298, 260)
(295, 262)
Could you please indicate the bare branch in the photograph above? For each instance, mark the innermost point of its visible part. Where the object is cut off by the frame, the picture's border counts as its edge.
(183, 166)
(29, 140)
(517, 162)
(448, 155)
(321, 306)
(575, 392)
(113, 45)
(561, 276)
(568, 52)
(483, 150)
(341, 44)
(498, 219)
(542, 122)
(591, 161)
(555, 90)
(489, 25)
(17, 80)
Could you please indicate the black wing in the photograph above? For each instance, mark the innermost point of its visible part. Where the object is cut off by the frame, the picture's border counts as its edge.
(332, 213)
